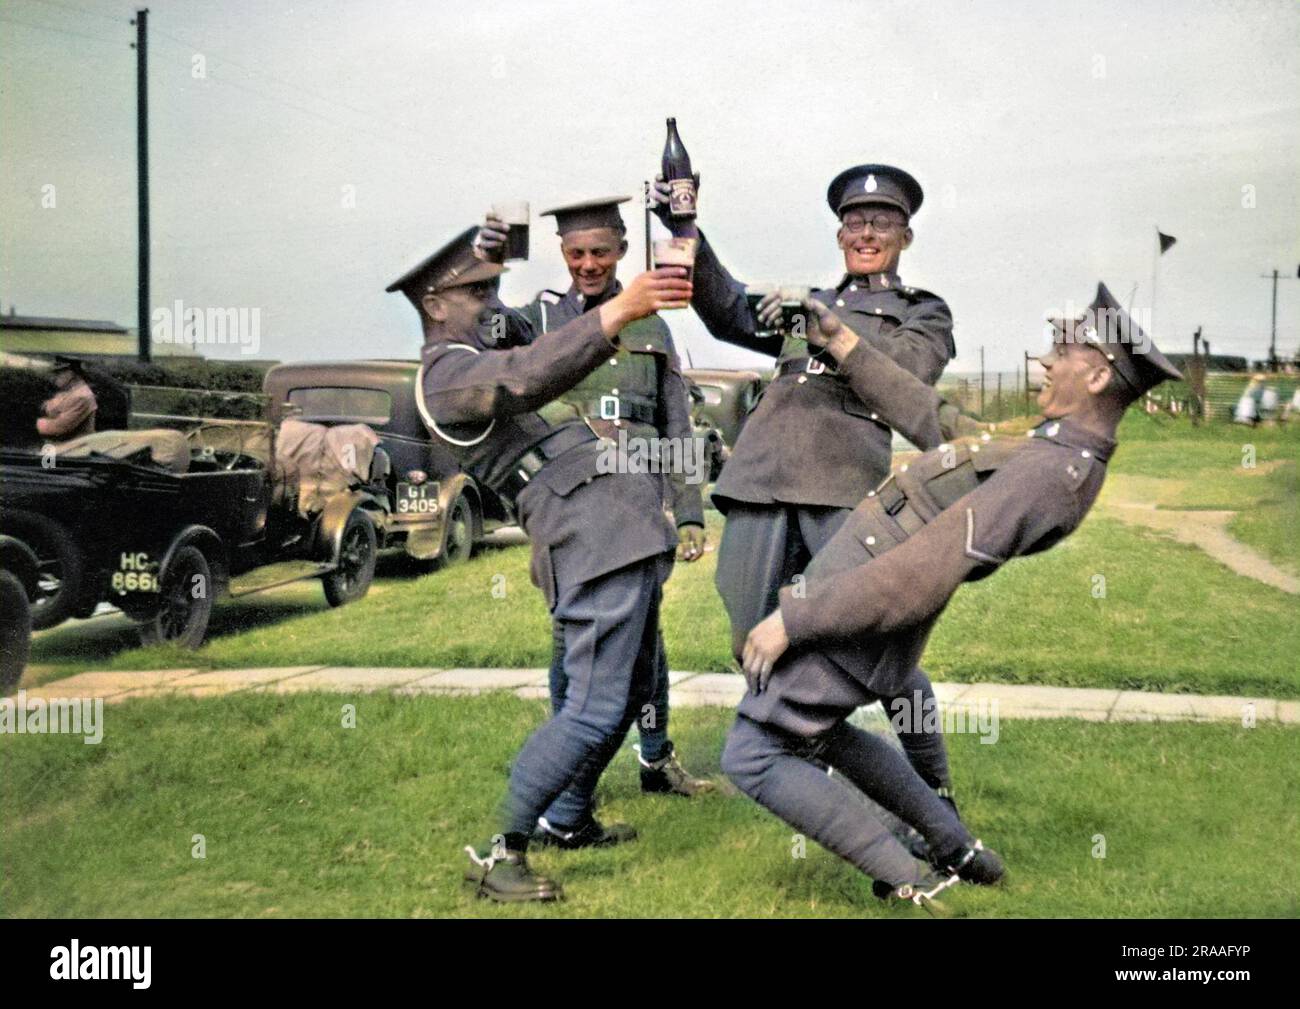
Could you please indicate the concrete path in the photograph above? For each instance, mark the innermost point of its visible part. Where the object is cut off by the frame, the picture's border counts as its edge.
(1150, 502)
(971, 700)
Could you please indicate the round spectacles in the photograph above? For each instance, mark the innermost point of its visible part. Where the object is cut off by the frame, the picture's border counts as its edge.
(881, 224)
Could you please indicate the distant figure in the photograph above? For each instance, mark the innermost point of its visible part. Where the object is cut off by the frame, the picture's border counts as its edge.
(70, 412)
(1268, 404)
(1293, 407)
(1247, 410)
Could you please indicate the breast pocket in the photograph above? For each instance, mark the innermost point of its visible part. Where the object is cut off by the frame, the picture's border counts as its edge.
(869, 322)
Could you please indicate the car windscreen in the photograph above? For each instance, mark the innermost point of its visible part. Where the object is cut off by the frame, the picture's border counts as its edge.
(343, 403)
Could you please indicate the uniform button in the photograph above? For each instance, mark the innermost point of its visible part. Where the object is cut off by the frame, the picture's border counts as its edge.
(649, 346)
(1086, 454)
(853, 287)
(871, 493)
(1051, 431)
(875, 416)
(613, 392)
(985, 436)
(974, 448)
(839, 302)
(944, 447)
(618, 422)
(903, 468)
(871, 541)
(1029, 434)
(613, 361)
(802, 379)
(880, 311)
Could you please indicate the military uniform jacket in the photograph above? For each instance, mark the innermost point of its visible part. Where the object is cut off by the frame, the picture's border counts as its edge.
(811, 439)
(640, 389)
(585, 516)
(873, 593)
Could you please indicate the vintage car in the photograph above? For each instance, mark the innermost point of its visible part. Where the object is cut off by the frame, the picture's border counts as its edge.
(161, 524)
(721, 400)
(437, 512)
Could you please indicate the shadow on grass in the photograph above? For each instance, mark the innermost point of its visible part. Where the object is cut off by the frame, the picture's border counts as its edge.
(82, 641)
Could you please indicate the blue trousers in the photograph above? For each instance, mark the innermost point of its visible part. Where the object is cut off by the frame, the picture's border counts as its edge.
(763, 548)
(609, 626)
(779, 771)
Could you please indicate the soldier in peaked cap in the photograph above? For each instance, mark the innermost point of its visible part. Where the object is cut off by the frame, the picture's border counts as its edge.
(875, 590)
(639, 393)
(601, 545)
(817, 442)
(70, 412)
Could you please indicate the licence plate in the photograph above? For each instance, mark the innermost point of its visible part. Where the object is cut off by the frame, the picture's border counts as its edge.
(417, 499)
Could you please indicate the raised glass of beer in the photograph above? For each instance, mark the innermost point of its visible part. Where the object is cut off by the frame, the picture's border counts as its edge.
(676, 252)
(793, 315)
(514, 213)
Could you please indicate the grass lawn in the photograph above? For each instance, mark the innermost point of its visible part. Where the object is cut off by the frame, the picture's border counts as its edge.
(301, 817)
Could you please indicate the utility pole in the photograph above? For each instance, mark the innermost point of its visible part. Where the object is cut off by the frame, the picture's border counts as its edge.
(1272, 343)
(981, 383)
(141, 23)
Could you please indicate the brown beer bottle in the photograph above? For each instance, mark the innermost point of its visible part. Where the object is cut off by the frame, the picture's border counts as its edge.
(678, 175)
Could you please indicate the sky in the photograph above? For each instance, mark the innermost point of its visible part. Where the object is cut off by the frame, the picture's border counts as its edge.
(303, 152)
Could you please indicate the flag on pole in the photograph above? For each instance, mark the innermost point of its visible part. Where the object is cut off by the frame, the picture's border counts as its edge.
(1166, 241)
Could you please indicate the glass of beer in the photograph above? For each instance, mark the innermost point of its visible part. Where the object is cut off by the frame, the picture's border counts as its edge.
(514, 213)
(676, 252)
(793, 315)
(754, 294)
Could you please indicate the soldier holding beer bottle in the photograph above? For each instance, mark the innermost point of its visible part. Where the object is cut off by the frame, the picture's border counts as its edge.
(812, 447)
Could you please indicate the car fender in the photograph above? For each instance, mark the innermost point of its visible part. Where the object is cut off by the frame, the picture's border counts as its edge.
(214, 551)
(335, 517)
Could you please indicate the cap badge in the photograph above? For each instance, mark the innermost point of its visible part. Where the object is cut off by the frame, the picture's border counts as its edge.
(870, 185)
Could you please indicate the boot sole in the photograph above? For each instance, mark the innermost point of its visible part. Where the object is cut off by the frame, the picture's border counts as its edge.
(541, 897)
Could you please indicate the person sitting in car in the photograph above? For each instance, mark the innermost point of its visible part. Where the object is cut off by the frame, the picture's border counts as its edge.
(70, 412)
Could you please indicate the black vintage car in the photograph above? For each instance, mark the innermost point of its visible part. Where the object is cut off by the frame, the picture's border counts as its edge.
(437, 511)
(110, 522)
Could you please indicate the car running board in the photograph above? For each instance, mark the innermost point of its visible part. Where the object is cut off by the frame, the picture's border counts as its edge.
(273, 575)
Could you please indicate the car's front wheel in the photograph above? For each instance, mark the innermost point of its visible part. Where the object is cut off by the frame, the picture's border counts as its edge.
(185, 601)
(458, 539)
(357, 555)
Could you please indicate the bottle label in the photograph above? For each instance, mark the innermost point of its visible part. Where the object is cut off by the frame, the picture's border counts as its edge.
(681, 200)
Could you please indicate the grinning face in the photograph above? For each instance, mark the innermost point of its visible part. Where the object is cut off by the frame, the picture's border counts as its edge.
(1075, 374)
(868, 248)
(592, 256)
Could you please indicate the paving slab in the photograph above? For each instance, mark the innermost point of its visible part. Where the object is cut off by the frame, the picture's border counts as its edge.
(1288, 712)
(475, 681)
(245, 677)
(1142, 705)
(106, 683)
(1032, 696)
(945, 692)
(351, 679)
(724, 689)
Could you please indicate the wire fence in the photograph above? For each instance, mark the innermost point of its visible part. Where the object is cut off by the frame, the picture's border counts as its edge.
(996, 396)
